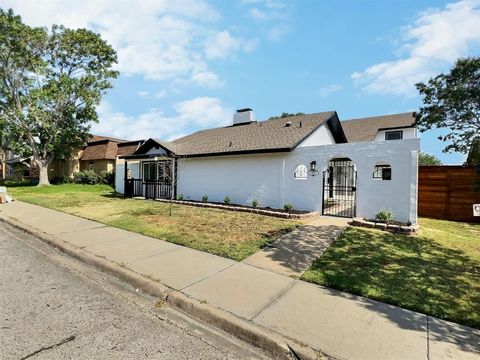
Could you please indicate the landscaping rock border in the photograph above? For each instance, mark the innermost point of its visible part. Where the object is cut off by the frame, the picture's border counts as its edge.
(261, 211)
(396, 228)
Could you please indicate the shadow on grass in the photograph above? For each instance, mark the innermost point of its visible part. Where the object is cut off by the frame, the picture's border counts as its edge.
(416, 273)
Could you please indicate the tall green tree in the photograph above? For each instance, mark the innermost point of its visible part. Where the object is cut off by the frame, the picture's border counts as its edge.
(51, 80)
(452, 102)
(425, 159)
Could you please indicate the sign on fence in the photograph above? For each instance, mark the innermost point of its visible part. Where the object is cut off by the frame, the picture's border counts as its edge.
(476, 209)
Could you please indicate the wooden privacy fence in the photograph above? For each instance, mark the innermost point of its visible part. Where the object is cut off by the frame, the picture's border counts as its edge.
(446, 192)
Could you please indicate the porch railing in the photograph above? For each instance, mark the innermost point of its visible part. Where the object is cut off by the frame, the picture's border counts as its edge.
(150, 189)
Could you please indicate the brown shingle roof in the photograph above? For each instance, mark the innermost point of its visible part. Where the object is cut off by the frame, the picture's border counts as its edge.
(94, 138)
(366, 129)
(263, 136)
(128, 148)
(105, 150)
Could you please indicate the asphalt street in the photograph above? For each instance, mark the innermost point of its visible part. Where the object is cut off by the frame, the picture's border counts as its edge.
(54, 307)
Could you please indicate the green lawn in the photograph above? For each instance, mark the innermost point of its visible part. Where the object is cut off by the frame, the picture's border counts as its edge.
(436, 272)
(230, 234)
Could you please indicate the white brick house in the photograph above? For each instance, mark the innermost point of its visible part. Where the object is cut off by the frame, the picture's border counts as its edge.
(314, 161)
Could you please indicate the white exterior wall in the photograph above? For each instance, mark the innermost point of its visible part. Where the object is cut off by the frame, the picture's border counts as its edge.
(321, 136)
(269, 178)
(133, 166)
(408, 133)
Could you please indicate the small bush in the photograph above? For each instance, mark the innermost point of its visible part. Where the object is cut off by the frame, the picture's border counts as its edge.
(254, 202)
(57, 180)
(204, 198)
(226, 201)
(180, 197)
(107, 177)
(87, 177)
(288, 207)
(384, 216)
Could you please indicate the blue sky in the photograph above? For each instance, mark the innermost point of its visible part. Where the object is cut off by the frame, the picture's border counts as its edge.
(187, 64)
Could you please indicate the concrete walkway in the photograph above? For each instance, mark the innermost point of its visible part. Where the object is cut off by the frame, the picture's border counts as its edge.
(337, 323)
(295, 252)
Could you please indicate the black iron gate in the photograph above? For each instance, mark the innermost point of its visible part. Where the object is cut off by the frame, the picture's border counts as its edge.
(339, 188)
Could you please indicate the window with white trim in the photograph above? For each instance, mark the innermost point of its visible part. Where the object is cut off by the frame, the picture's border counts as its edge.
(394, 135)
(300, 172)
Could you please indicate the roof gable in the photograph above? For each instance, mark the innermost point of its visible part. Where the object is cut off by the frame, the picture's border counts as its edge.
(365, 129)
(278, 135)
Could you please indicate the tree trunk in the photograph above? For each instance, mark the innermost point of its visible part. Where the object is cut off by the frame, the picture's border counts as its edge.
(43, 165)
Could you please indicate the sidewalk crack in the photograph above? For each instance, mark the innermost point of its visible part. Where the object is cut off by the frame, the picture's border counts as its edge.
(274, 299)
(208, 276)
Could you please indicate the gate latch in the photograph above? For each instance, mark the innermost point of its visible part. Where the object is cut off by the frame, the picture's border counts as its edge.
(354, 188)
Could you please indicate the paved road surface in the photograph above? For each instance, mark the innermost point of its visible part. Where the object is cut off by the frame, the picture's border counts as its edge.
(54, 307)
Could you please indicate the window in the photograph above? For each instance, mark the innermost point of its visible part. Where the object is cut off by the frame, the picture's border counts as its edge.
(149, 172)
(300, 172)
(161, 170)
(91, 166)
(394, 135)
(382, 172)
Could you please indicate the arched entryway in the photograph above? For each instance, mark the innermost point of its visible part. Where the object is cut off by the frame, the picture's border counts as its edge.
(339, 188)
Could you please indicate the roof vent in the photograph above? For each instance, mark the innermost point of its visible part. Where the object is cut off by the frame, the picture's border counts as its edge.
(243, 116)
(288, 124)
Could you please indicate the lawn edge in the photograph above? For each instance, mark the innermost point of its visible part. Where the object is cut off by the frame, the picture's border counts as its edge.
(275, 344)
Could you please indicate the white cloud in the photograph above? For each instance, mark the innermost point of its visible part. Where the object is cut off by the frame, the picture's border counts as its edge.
(329, 89)
(223, 45)
(194, 113)
(432, 44)
(276, 32)
(143, 93)
(207, 79)
(267, 3)
(160, 94)
(258, 14)
(158, 40)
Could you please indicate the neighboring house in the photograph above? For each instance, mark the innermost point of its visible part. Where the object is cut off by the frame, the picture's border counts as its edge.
(99, 154)
(313, 161)
(15, 167)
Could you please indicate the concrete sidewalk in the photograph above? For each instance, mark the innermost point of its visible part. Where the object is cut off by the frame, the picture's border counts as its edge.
(338, 324)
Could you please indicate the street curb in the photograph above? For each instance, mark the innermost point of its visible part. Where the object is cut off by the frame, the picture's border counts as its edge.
(276, 345)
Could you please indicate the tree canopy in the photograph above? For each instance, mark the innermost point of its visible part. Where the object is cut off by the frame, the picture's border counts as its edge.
(452, 102)
(425, 159)
(285, 115)
(51, 80)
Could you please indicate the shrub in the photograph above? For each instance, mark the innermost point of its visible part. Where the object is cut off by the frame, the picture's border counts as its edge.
(288, 207)
(384, 216)
(86, 177)
(204, 198)
(180, 196)
(226, 201)
(61, 180)
(107, 177)
(254, 202)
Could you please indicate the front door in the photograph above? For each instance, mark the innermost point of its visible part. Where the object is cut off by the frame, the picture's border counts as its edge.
(339, 188)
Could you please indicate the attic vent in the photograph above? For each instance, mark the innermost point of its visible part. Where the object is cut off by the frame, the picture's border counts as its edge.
(288, 124)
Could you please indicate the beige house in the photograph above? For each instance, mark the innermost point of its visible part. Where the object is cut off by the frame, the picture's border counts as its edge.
(98, 155)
